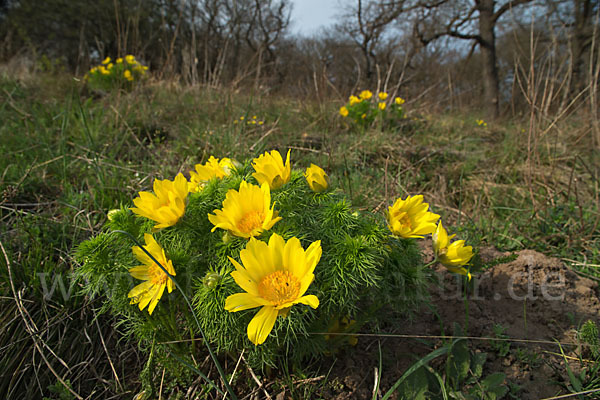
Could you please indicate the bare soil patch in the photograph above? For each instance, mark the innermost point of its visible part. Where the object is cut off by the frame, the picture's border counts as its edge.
(536, 299)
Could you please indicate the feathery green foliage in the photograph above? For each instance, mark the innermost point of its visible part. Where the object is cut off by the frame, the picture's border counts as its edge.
(362, 270)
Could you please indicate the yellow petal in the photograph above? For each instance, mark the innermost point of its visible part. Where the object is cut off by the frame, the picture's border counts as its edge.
(262, 324)
(245, 281)
(310, 300)
(140, 272)
(293, 258)
(244, 301)
(305, 282)
(140, 289)
(157, 295)
(313, 255)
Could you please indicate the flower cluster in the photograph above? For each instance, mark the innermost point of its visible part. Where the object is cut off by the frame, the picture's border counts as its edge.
(481, 122)
(275, 276)
(249, 121)
(410, 218)
(364, 108)
(268, 254)
(120, 73)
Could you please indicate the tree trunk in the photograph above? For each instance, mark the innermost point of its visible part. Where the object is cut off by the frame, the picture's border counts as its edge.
(581, 43)
(487, 44)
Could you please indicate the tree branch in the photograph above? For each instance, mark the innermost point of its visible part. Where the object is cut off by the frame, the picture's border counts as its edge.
(507, 6)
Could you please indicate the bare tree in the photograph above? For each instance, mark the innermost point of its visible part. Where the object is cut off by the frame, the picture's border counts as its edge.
(473, 20)
(368, 22)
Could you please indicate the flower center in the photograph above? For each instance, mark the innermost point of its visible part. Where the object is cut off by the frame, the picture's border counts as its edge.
(157, 275)
(251, 221)
(279, 287)
(404, 220)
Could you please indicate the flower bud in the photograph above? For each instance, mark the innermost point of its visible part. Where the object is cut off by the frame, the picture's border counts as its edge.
(317, 178)
(211, 280)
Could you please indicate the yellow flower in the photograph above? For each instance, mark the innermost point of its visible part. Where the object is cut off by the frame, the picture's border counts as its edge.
(363, 116)
(106, 61)
(399, 101)
(366, 95)
(452, 255)
(247, 212)
(275, 276)
(103, 70)
(119, 60)
(213, 168)
(130, 59)
(109, 66)
(354, 100)
(381, 106)
(410, 219)
(342, 325)
(127, 75)
(149, 292)
(166, 205)
(382, 95)
(343, 111)
(317, 178)
(93, 70)
(270, 169)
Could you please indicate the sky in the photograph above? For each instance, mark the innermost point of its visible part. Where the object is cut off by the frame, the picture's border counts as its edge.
(308, 16)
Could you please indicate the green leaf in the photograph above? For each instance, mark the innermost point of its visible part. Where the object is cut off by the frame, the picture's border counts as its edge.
(458, 363)
(415, 386)
(434, 354)
(477, 361)
(493, 380)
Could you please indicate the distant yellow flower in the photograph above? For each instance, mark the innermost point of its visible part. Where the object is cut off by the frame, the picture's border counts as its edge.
(381, 106)
(382, 95)
(270, 169)
(130, 59)
(213, 168)
(166, 205)
(106, 61)
(103, 70)
(366, 95)
(149, 292)
(275, 276)
(127, 75)
(399, 101)
(363, 116)
(410, 219)
(119, 60)
(247, 212)
(317, 178)
(109, 66)
(343, 111)
(343, 326)
(93, 70)
(452, 255)
(481, 122)
(354, 100)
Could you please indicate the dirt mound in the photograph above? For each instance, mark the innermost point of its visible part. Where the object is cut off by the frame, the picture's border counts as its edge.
(535, 299)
